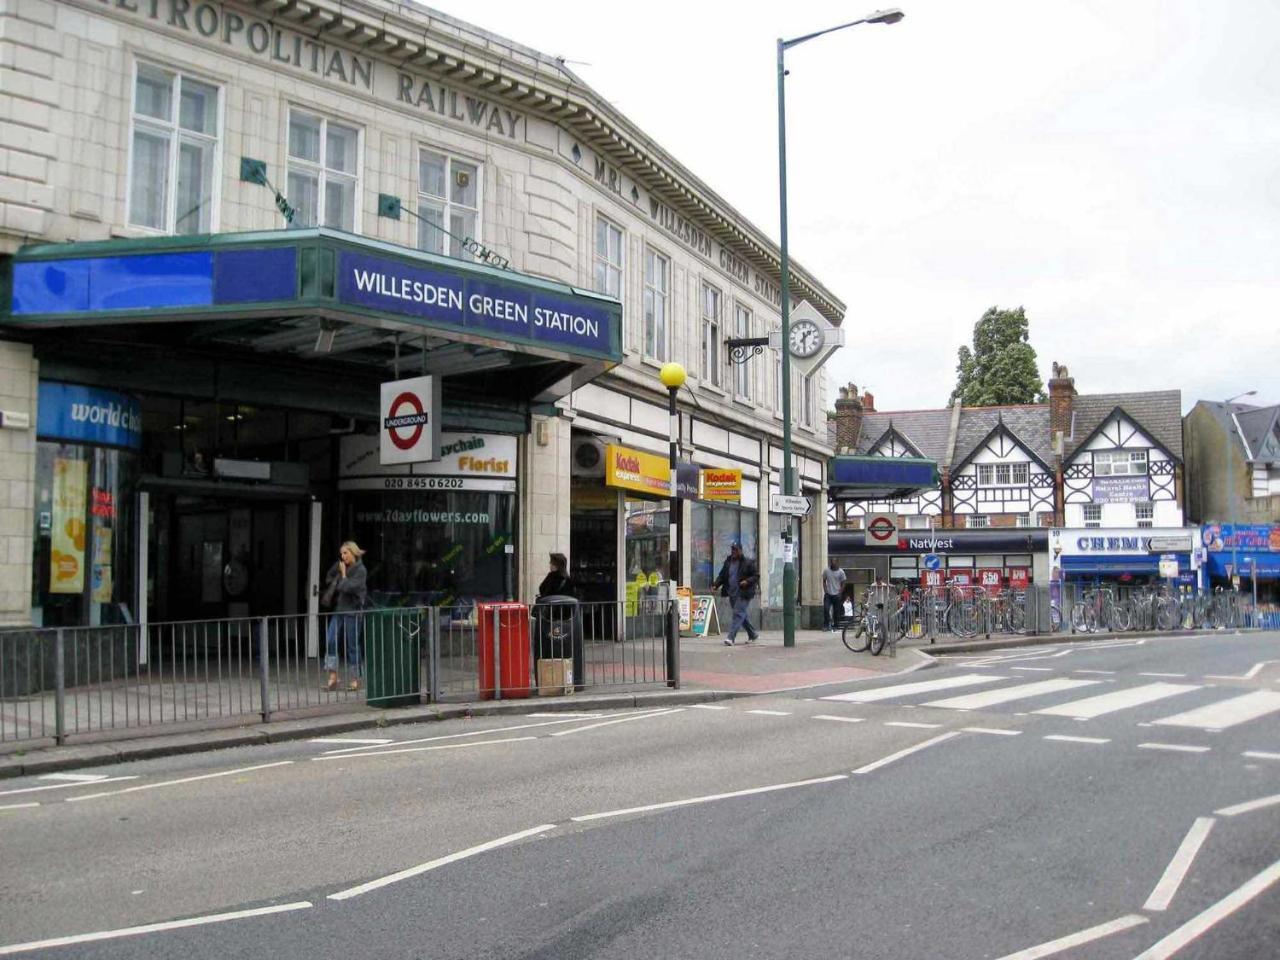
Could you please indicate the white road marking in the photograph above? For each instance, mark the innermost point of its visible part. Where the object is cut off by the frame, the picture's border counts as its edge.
(1227, 713)
(474, 733)
(19, 806)
(993, 731)
(64, 786)
(1173, 676)
(438, 746)
(563, 713)
(75, 777)
(709, 798)
(770, 713)
(1035, 669)
(707, 706)
(1174, 747)
(1076, 939)
(174, 783)
(609, 723)
(885, 761)
(990, 698)
(152, 928)
(376, 741)
(439, 862)
(1248, 806)
(1261, 755)
(827, 716)
(1248, 675)
(1107, 673)
(1176, 872)
(1063, 738)
(912, 725)
(906, 689)
(1219, 911)
(1091, 707)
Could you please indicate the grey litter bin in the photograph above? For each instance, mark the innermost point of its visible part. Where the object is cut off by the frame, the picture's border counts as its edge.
(557, 634)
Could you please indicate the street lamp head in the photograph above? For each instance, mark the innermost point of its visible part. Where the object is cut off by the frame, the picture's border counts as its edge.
(1238, 396)
(672, 376)
(892, 15)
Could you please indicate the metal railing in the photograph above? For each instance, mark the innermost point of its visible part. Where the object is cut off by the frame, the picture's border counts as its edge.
(57, 683)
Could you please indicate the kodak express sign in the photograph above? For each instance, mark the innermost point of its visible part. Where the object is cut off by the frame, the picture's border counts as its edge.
(721, 484)
(636, 470)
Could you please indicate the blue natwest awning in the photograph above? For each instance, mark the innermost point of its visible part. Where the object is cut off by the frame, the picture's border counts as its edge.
(852, 478)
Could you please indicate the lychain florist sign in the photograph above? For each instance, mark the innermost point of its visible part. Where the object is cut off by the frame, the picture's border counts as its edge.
(484, 462)
(409, 421)
(636, 470)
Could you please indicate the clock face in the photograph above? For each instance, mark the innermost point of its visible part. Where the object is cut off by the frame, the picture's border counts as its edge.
(806, 338)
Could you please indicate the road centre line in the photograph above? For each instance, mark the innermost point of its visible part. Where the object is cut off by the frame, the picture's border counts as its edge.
(1108, 673)
(1170, 676)
(152, 928)
(375, 741)
(1261, 755)
(707, 706)
(438, 862)
(174, 783)
(1219, 911)
(885, 761)
(20, 806)
(770, 713)
(709, 798)
(469, 733)
(1035, 669)
(913, 726)
(75, 777)
(609, 723)
(991, 730)
(438, 746)
(1063, 738)
(1248, 806)
(1076, 939)
(827, 716)
(1177, 869)
(63, 786)
(1174, 747)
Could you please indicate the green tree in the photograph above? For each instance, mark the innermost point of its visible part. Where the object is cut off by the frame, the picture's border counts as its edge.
(1001, 366)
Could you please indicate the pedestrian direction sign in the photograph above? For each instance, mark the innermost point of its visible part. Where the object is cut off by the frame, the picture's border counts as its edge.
(795, 506)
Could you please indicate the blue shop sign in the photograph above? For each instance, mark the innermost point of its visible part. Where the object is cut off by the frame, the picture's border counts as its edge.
(480, 304)
(68, 411)
(1262, 537)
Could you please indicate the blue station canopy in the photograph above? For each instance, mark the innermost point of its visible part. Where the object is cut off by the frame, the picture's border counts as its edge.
(854, 478)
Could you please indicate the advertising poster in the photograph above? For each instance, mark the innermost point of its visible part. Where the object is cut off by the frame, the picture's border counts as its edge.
(101, 584)
(70, 486)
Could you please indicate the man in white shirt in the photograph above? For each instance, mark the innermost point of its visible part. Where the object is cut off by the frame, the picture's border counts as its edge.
(832, 586)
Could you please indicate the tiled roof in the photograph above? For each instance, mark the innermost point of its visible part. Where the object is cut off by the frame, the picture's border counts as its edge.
(1029, 423)
(926, 430)
(1261, 429)
(1158, 413)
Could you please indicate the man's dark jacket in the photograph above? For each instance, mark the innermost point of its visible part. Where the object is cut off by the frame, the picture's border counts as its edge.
(746, 571)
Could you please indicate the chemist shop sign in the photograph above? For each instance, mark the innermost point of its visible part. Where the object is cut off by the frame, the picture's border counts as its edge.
(476, 304)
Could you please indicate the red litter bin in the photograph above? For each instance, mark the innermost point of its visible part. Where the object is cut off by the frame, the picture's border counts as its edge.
(503, 637)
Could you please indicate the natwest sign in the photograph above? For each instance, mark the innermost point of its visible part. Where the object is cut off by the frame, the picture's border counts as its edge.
(927, 544)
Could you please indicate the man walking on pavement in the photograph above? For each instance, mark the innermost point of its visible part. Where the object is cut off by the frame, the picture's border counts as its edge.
(832, 586)
(737, 580)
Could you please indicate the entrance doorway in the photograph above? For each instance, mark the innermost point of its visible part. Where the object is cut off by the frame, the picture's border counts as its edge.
(593, 541)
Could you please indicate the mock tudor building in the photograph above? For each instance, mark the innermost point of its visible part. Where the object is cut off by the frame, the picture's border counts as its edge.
(1055, 471)
(223, 225)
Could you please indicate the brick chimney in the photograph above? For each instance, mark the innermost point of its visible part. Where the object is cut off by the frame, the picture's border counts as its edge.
(868, 402)
(1062, 391)
(849, 410)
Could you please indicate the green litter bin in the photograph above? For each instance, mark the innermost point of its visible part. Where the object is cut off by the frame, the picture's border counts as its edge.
(393, 656)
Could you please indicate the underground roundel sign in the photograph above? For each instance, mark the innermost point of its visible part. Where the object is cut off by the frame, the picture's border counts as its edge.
(882, 530)
(409, 421)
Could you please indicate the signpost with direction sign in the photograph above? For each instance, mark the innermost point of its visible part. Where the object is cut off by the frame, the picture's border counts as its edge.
(791, 505)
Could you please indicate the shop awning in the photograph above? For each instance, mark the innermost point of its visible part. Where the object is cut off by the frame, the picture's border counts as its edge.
(853, 478)
(1112, 566)
(321, 297)
(1267, 564)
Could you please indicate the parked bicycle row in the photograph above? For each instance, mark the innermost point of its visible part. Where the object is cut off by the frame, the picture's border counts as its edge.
(885, 613)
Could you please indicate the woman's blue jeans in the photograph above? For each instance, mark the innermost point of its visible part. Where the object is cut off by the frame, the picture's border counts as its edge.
(346, 626)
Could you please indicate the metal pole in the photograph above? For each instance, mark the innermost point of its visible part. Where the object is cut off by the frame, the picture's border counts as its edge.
(263, 668)
(59, 689)
(788, 476)
(673, 539)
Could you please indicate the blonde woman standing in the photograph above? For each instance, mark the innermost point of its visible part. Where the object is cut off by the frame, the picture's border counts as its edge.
(346, 587)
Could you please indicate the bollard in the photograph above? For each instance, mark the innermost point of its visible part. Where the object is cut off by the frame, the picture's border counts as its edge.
(263, 668)
(60, 689)
(433, 653)
(673, 644)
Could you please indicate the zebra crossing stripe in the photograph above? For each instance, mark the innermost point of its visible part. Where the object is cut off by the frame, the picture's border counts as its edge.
(1091, 707)
(907, 689)
(1227, 713)
(991, 698)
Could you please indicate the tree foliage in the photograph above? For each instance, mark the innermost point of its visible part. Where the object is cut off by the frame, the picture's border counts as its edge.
(1001, 366)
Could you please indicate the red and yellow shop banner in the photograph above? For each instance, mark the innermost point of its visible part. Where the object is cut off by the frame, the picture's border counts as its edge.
(636, 470)
(721, 484)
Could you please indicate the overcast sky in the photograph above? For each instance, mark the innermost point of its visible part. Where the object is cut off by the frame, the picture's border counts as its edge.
(1113, 167)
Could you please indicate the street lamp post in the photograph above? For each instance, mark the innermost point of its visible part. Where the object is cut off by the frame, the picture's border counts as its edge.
(1231, 478)
(673, 377)
(788, 472)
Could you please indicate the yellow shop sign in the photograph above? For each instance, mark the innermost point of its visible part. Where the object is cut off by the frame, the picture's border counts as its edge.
(722, 484)
(636, 470)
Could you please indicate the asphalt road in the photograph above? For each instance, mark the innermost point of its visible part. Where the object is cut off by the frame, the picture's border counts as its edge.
(1109, 799)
